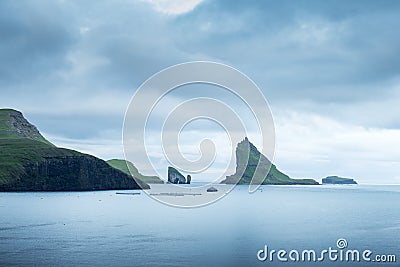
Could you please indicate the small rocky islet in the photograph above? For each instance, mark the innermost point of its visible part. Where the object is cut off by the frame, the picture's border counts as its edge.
(338, 180)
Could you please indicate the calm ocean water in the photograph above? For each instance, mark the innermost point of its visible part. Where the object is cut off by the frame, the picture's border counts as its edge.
(106, 229)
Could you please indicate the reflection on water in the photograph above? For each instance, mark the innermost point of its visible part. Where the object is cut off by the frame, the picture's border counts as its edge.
(105, 228)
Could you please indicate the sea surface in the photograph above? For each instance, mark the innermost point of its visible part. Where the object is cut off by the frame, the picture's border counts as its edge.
(108, 229)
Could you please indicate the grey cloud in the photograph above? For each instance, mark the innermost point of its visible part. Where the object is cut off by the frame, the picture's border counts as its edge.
(77, 127)
(34, 40)
(305, 49)
(132, 40)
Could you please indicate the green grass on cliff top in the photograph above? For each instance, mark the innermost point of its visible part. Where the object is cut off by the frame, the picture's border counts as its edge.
(122, 165)
(6, 129)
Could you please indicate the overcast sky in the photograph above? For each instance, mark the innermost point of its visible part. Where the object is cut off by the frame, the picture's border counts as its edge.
(329, 69)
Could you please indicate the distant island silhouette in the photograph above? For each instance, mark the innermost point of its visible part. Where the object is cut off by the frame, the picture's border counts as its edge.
(338, 180)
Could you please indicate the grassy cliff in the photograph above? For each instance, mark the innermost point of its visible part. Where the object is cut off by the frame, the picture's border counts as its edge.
(28, 162)
(122, 165)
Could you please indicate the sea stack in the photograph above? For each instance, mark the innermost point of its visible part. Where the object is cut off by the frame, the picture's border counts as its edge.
(175, 177)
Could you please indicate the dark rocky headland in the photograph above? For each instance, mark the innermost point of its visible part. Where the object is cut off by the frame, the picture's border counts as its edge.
(29, 162)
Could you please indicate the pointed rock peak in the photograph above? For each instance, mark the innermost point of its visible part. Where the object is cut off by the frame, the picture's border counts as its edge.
(245, 141)
(246, 145)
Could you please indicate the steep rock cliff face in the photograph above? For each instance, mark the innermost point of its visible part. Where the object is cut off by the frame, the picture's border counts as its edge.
(70, 173)
(28, 162)
(175, 177)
